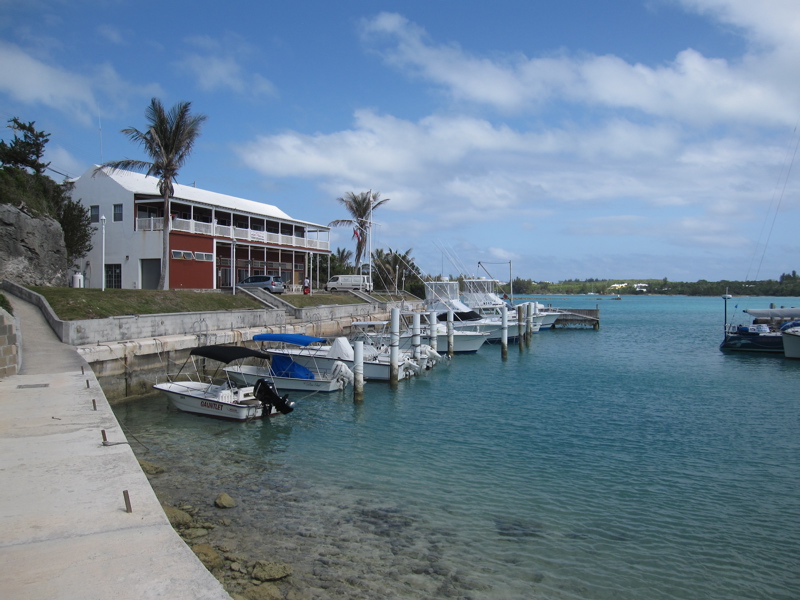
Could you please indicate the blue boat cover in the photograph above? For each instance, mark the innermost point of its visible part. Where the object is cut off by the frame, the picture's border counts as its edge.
(287, 338)
(284, 366)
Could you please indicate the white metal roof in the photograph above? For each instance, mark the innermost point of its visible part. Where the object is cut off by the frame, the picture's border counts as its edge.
(138, 183)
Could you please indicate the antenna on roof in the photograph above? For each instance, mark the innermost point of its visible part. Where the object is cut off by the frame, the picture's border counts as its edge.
(100, 129)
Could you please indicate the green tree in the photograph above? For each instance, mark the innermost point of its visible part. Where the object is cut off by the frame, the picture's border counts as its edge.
(394, 267)
(25, 152)
(168, 140)
(340, 262)
(361, 208)
(24, 184)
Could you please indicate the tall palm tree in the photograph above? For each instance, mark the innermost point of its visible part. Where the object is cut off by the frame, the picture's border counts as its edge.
(168, 141)
(360, 206)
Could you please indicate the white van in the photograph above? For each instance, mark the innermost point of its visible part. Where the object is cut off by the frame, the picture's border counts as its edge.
(349, 282)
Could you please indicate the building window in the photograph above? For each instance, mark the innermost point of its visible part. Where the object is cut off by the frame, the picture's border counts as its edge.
(114, 276)
(94, 212)
(118, 212)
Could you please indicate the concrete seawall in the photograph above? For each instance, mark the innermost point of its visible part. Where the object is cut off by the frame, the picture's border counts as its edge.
(65, 532)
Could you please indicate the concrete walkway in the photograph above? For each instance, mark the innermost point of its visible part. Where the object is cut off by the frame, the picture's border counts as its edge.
(64, 529)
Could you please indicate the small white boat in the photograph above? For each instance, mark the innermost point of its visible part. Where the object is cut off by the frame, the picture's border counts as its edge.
(196, 393)
(286, 373)
(791, 342)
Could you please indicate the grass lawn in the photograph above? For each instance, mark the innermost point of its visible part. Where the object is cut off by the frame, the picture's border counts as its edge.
(72, 304)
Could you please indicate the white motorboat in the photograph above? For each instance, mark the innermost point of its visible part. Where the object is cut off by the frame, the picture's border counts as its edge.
(199, 394)
(465, 341)
(376, 360)
(286, 373)
(791, 342)
(484, 315)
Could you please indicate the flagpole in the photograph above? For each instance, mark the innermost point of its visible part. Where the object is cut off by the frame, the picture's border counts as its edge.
(369, 226)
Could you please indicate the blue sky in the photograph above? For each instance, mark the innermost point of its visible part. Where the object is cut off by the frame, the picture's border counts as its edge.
(576, 139)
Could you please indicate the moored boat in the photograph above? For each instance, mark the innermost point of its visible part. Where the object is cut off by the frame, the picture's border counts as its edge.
(764, 332)
(199, 394)
(376, 360)
(286, 373)
(791, 342)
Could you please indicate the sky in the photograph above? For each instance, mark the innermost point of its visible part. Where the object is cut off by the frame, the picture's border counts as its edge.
(577, 139)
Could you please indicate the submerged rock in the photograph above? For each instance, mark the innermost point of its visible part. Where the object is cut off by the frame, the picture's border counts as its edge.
(150, 468)
(176, 516)
(265, 591)
(208, 556)
(270, 571)
(224, 501)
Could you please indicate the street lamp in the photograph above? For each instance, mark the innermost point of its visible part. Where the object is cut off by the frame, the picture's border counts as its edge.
(103, 257)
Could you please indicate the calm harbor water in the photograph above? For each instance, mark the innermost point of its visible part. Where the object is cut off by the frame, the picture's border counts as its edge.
(636, 461)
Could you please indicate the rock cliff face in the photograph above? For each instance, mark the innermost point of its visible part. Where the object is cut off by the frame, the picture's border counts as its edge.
(32, 250)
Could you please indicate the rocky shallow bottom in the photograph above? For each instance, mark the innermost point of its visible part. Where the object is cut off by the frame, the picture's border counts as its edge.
(287, 541)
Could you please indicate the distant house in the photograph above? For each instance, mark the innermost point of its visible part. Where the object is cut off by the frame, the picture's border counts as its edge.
(618, 286)
(640, 287)
(212, 237)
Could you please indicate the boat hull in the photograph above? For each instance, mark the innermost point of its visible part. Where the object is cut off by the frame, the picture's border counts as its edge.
(192, 399)
(791, 342)
(753, 342)
(247, 375)
(373, 370)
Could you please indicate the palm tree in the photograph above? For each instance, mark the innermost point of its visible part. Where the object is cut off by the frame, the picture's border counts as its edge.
(168, 141)
(360, 206)
(340, 262)
(395, 266)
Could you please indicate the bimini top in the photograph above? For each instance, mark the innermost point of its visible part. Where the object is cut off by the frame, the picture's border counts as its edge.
(296, 339)
(773, 313)
(226, 354)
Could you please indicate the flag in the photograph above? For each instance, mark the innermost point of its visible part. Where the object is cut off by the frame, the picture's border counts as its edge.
(356, 234)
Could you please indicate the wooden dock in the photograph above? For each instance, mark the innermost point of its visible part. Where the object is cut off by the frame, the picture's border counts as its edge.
(578, 317)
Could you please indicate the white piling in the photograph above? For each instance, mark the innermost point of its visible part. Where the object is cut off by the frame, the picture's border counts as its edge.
(394, 345)
(358, 371)
(415, 341)
(451, 342)
(528, 321)
(504, 332)
(434, 330)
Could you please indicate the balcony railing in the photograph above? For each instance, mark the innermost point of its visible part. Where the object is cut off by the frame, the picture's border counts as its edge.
(226, 231)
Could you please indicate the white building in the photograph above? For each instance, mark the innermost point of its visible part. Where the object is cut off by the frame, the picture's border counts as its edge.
(210, 234)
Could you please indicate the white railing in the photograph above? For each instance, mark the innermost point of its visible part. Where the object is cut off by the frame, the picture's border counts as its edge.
(150, 224)
(226, 231)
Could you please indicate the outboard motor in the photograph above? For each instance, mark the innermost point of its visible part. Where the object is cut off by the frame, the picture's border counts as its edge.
(264, 391)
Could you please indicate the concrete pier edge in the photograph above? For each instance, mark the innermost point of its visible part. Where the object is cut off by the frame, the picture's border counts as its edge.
(64, 529)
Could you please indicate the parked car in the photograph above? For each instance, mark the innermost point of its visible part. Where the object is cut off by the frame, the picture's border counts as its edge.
(271, 283)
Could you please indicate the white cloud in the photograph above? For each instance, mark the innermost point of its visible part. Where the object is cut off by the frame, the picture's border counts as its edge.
(111, 33)
(692, 88)
(80, 96)
(218, 66)
(31, 81)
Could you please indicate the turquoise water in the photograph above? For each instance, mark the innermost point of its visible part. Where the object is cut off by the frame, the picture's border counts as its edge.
(636, 461)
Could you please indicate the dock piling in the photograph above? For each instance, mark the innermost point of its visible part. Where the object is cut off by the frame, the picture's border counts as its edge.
(358, 372)
(394, 346)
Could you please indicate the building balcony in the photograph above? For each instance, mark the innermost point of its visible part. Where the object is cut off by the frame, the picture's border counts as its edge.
(238, 234)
